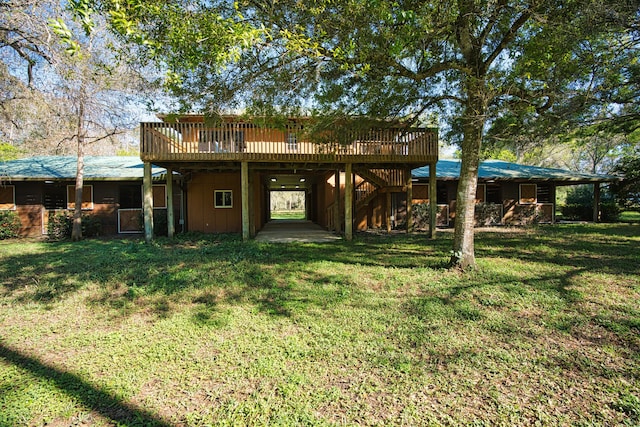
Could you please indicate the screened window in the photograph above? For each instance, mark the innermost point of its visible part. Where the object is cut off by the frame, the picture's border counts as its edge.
(223, 199)
(8, 197)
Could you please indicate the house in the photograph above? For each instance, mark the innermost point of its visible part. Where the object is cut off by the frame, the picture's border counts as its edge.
(507, 193)
(224, 173)
(350, 175)
(39, 187)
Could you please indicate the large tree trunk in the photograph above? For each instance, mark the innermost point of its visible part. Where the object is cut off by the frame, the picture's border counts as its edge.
(474, 119)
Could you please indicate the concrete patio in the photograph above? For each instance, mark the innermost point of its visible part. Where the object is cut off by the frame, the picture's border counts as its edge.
(285, 231)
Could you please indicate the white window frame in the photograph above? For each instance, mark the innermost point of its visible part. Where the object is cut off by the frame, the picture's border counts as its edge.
(73, 188)
(215, 199)
(292, 141)
(13, 190)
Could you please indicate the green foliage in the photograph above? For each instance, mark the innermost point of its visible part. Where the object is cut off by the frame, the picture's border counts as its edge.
(579, 205)
(9, 224)
(61, 224)
(8, 152)
(627, 191)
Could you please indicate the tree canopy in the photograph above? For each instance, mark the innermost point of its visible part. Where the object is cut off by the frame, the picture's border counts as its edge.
(477, 63)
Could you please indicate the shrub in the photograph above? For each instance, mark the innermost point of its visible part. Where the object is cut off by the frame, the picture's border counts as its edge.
(9, 224)
(61, 224)
(579, 206)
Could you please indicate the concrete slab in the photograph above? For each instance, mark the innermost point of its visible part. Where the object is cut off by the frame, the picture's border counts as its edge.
(284, 231)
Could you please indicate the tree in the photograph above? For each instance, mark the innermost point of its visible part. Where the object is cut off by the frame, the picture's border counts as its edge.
(627, 191)
(472, 59)
(98, 89)
(75, 91)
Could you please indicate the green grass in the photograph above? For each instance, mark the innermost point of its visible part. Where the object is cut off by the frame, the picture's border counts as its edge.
(208, 330)
(630, 216)
(288, 215)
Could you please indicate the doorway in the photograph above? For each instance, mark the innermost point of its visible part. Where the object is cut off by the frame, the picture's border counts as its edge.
(288, 205)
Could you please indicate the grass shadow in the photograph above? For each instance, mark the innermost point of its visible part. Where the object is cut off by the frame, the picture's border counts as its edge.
(90, 396)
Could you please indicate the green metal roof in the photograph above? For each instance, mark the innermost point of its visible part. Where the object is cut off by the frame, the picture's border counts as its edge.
(64, 167)
(501, 170)
(131, 167)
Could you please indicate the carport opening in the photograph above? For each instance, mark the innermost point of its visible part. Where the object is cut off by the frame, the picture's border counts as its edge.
(288, 205)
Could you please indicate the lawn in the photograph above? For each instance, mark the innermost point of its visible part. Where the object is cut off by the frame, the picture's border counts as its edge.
(208, 330)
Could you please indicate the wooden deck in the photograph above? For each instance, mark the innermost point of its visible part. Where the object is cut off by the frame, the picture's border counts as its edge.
(246, 142)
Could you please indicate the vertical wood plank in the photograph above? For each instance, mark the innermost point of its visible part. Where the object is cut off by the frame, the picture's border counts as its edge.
(409, 189)
(171, 225)
(147, 202)
(348, 201)
(433, 200)
(336, 203)
(244, 190)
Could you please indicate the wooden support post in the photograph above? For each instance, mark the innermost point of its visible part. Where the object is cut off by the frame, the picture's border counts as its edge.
(388, 212)
(596, 202)
(244, 191)
(252, 210)
(433, 200)
(147, 205)
(348, 202)
(336, 203)
(409, 189)
(171, 224)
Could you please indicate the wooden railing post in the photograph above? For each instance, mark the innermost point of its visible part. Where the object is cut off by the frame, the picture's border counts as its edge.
(336, 203)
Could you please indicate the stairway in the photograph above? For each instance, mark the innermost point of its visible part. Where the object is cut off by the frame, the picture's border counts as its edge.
(373, 181)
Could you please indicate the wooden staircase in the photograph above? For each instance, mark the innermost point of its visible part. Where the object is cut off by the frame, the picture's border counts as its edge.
(374, 181)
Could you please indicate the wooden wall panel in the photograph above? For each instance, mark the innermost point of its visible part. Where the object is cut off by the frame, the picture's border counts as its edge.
(202, 215)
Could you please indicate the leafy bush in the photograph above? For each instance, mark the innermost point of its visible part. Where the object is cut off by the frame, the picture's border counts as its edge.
(579, 206)
(61, 224)
(9, 224)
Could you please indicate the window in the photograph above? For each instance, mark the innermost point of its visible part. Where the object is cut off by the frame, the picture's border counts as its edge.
(493, 194)
(54, 196)
(159, 196)
(130, 196)
(87, 197)
(528, 194)
(544, 193)
(292, 141)
(223, 199)
(8, 197)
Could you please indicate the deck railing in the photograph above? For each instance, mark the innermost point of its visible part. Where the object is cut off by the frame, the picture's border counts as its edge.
(249, 142)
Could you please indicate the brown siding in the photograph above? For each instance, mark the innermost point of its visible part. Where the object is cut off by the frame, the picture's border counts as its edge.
(202, 216)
